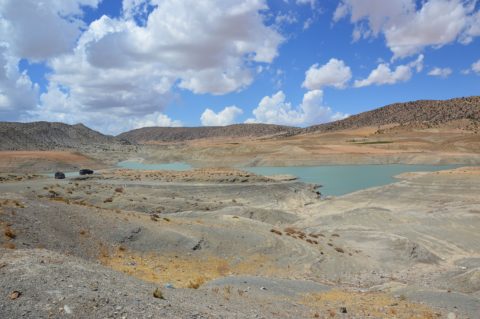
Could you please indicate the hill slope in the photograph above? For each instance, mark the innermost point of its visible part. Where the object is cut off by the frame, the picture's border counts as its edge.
(431, 111)
(177, 134)
(47, 135)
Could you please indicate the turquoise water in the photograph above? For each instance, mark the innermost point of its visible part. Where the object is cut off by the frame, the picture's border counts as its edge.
(342, 179)
(335, 179)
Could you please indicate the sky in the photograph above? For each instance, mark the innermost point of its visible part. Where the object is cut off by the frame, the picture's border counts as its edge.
(117, 65)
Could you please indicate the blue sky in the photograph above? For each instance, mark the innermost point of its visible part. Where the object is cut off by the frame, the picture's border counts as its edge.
(116, 65)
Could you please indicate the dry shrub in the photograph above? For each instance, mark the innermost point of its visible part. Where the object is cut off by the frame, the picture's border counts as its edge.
(9, 233)
(158, 294)
(108, 200)
(196, 283)
(290, 230)
(276, 232)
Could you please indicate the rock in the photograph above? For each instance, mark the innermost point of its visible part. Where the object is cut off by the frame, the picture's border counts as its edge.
(67, 309)
(15, 295)
(451, 315)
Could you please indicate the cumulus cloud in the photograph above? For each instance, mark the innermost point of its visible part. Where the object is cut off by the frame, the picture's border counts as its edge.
(407, 30)
(276, 110)
(17, 92)
(334, 73)
(35, 30)
(384, 74)
(130, 65)
(56, 105)
(123, 67)
(40, 29)
(225, 117)
(476, 67)
(440, 72)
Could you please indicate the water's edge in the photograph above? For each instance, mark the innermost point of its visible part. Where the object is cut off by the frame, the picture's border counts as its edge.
(336, 180)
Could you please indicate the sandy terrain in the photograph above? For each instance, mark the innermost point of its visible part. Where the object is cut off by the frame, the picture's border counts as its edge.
(45, 161)
(369, 145)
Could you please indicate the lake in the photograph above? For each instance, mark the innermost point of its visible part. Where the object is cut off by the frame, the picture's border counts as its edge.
(335, 179)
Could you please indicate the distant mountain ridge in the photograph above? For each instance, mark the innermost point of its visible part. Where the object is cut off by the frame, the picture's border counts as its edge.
(174, 134)
(433, 111)
(50, 135)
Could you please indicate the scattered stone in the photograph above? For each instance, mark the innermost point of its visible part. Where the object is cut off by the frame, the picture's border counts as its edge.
(451, 315)
(14, 295)
(67, 310)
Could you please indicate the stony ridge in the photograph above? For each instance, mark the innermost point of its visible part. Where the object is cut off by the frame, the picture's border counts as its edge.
(174, 134)
(48, 135)
(432, 111)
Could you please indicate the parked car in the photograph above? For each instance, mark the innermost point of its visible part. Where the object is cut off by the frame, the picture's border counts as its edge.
(59, 175)
(86, 171)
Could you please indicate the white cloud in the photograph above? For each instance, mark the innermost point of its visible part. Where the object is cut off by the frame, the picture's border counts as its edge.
(129, 66)
(334, 73)
(383, 74)
(408, 30)
(40, 29)
(225, 117)
(17, 92)
(275, 110)
(35, 30)
(312, 3)
(476, 67)
(56, 105)
(440, 72)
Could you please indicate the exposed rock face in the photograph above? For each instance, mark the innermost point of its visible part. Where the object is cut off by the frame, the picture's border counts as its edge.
(431, 111)
(175, 134)
(46, 136)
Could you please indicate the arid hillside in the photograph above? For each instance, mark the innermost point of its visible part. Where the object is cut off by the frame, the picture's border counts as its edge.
(48, 135)
(432, 112)
(178, 134)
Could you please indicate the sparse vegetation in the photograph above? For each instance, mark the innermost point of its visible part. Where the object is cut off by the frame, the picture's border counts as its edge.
(196, 283)
(9, 232)
(157, 293)
(276, 232)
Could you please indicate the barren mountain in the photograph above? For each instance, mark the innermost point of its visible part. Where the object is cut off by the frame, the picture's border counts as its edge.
(176, 134)
(47, 135)
(433, 112)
